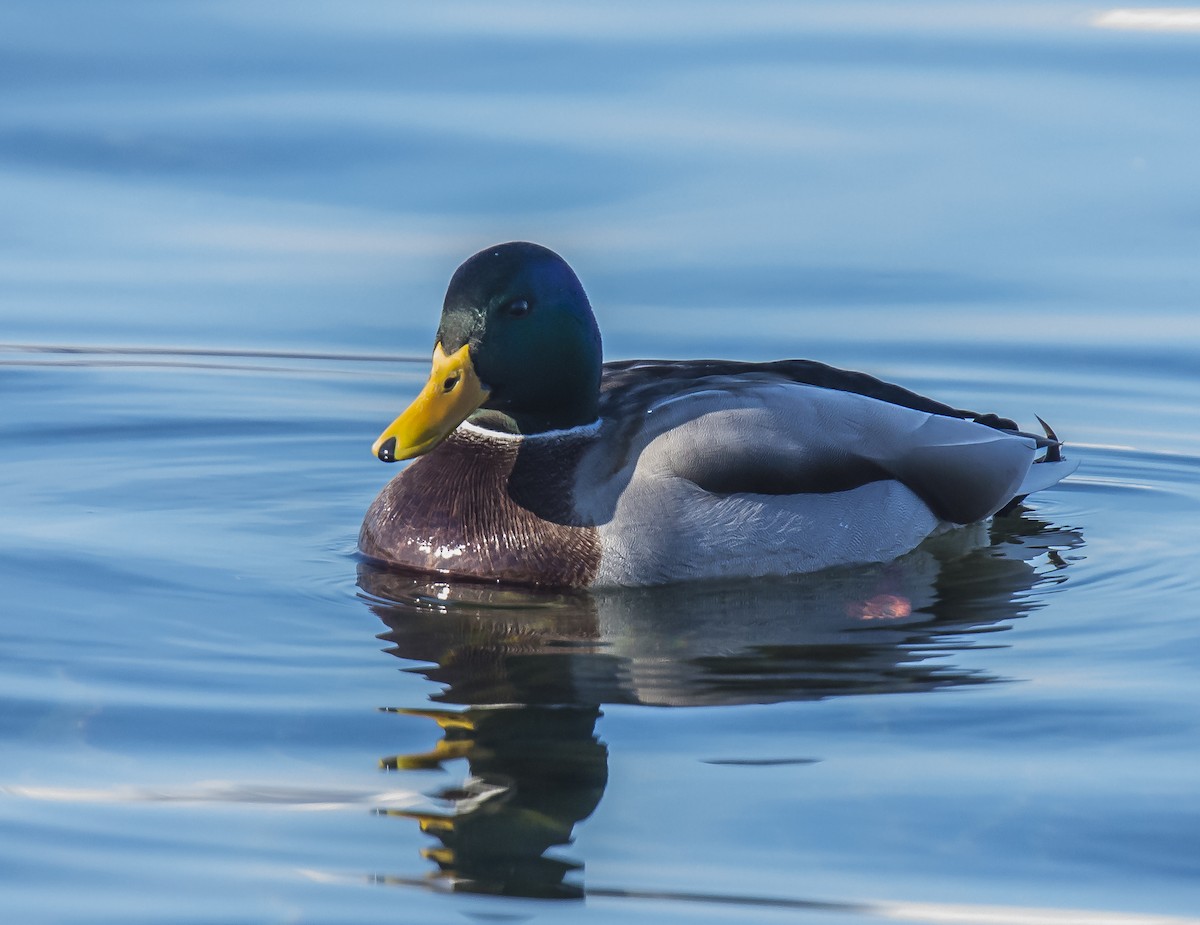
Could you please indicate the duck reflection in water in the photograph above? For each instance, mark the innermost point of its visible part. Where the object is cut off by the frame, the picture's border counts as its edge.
(533, 669)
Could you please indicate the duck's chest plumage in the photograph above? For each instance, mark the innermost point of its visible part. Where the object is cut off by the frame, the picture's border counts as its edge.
(489, 507)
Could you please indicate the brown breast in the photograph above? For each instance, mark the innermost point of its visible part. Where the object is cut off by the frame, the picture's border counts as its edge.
(486, 509)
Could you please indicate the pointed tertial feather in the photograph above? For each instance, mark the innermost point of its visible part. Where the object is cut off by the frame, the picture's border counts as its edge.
(1048, 471)
(1054, 447)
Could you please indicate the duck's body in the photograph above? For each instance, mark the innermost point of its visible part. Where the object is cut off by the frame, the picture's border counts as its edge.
(673, 470)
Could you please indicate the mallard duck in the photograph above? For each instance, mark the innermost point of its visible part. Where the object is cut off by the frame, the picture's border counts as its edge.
(537, 463)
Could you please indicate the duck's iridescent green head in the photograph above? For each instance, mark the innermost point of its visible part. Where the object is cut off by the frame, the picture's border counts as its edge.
(517, 348)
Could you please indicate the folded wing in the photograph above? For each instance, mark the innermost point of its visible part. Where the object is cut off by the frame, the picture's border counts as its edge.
(768, 435)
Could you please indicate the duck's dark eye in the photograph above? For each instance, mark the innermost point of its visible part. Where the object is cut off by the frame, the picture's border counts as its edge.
(517, 308)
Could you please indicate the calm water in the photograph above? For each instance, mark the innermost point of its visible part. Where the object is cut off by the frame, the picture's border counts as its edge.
(227, 231)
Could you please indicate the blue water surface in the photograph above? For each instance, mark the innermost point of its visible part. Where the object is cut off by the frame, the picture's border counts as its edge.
(228, 231)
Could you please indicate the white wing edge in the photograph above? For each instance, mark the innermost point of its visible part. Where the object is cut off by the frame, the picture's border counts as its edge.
(1044, 474)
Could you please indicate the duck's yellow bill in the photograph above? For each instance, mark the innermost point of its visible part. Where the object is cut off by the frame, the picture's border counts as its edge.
(451, 394)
